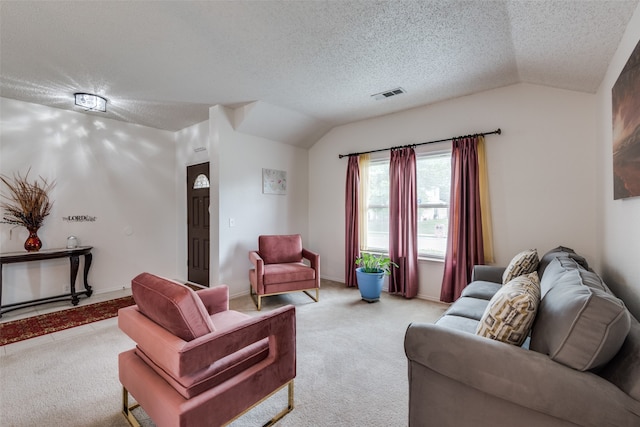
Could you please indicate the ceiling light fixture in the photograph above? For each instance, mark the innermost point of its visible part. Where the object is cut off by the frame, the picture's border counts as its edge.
(91, 102)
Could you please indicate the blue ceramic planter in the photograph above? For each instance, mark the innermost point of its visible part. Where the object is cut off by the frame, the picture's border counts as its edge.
(370, 284)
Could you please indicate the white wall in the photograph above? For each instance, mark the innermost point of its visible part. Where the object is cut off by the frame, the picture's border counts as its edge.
(619, 231)
(542, 184)
(241, 158)
(187, 141)
(236, 162)
(134, 178)
(122, 174)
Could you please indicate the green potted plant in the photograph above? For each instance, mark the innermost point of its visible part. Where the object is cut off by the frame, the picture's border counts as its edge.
(370, 274)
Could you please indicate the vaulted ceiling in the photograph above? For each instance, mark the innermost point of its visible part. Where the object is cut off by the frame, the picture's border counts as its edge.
(305, 66)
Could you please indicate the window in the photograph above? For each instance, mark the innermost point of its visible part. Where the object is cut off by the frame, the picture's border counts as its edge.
(433, 173)
(201, 182)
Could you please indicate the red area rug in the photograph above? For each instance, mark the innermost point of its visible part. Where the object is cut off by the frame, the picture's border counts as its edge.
(43, 324)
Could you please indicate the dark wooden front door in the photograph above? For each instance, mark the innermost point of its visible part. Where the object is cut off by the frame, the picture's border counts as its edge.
(198, 223)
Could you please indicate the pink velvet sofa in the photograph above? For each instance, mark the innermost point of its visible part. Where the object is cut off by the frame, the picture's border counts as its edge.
(197, 363)
(278, 268)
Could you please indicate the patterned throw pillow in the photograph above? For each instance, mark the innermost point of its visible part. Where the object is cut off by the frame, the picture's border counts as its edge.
(510, 313)
(524, 263)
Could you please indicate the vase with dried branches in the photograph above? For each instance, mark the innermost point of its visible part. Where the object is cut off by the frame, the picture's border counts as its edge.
(27, 205)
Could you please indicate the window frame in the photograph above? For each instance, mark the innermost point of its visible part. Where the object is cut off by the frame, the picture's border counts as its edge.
(421, 153)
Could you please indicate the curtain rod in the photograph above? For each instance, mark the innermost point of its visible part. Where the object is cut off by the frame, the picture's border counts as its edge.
(497, 131)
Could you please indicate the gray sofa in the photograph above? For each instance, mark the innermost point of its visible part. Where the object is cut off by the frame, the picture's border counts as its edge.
(580, 365)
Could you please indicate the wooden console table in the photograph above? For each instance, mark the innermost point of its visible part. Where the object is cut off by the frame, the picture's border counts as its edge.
(74, 258)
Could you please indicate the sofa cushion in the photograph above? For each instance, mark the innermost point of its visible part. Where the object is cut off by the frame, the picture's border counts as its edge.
(578, 324)
(481, 289)
(554, 272)
(192, 383)
(280, 248)
(556, 252)
(472, 308)
(285, 273)
(512, 310)
(523, 263)
(555, 275)
(171, 305)
(464, 324)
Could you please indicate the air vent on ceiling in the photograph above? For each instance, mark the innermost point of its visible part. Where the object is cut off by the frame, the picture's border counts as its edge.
(389, 93)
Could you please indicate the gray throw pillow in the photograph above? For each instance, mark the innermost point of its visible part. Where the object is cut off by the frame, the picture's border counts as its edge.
(578, 324)
(555, 272)
(560, 251)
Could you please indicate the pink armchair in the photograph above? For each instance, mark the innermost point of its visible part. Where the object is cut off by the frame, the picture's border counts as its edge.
(197, 363)
(278, 268)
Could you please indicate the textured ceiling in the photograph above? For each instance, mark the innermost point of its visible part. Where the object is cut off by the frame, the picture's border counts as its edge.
(162, 64)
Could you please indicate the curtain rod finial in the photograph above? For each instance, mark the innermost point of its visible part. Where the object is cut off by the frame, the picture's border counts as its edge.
(499, 131)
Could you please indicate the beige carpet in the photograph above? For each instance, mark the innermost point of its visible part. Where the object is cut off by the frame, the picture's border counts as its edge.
(352, 370)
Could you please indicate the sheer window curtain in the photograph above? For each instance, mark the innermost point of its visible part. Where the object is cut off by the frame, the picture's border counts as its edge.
(352, 243)
(403, 223)
(363, 218)
(465, 247)
(483, 182)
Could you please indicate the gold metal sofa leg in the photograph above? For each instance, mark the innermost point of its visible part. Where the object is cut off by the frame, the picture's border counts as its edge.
(317, 298)
(280, 414)
(257, 299)
(286, 410)
(126, 409)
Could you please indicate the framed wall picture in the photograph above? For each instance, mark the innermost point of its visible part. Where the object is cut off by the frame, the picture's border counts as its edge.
(625, 100)
(274, 181)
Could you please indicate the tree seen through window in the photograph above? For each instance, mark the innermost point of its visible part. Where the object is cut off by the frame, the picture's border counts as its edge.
(433, 173)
